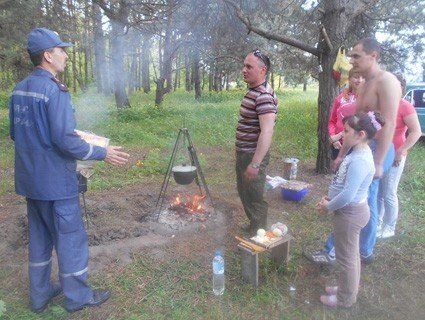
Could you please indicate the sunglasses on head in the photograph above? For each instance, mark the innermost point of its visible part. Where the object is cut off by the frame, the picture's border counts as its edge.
(262, 57)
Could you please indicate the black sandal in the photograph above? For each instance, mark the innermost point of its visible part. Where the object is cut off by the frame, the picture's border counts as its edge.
(320, 257)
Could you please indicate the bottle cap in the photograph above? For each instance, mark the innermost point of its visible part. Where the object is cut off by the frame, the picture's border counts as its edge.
(218, 252)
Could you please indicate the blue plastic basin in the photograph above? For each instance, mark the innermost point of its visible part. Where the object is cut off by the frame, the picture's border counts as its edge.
(293, 195)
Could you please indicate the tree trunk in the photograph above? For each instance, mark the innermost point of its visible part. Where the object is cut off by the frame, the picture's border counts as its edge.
(139, 69)
(166, 70)
(86, 68)
(327, 92)
(177, 74)
(227, 82)
(74, 69)
(210, 80)
(203, 78)
(145, 63)
(99, 53)
(272, 80)
(196, 76)
(160, 91)
(65, 77)
(187, 73)
(132, 74)
(335, 25)
(216, 84)
(86, 46)
(117, 47)
(80, 70)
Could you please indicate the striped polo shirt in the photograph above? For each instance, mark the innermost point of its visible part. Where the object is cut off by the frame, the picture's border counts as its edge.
(257, 101)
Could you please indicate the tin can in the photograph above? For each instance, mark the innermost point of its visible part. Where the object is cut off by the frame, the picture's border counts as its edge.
(290, 168)
(287, 164)
(293, 172)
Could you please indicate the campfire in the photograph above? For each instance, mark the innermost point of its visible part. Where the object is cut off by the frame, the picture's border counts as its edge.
(188, 204)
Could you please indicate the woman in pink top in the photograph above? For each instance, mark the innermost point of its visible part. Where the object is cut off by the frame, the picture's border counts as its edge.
(343, 106)
(407, 119)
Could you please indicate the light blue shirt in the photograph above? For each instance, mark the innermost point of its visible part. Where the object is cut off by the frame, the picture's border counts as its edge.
(352, 180)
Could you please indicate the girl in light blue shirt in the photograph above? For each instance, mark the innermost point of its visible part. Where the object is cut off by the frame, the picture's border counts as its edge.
(347, 198)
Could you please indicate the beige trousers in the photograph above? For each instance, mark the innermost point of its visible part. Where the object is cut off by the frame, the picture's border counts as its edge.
(348, 222)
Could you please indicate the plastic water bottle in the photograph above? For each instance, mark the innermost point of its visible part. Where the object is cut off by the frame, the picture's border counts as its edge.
(218, 274)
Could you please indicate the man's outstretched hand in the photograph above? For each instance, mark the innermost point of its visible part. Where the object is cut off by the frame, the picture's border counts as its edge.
(116, 157)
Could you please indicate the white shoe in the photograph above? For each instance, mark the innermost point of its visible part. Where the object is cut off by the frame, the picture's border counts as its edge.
(330, 301)
(332, 291)
(387, 233)
(379, 232)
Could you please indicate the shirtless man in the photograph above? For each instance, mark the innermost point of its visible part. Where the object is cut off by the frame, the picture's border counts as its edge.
(379, 92)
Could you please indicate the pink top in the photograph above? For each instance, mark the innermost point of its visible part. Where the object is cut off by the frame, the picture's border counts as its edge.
(405, 109)
(343, 106)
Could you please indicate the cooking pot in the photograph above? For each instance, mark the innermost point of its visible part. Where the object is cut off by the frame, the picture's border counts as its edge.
(184, 174)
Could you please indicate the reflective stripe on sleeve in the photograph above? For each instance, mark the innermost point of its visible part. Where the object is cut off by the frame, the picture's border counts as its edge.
(40, 264)
(89, 153)
(74, 274)
(31, 94)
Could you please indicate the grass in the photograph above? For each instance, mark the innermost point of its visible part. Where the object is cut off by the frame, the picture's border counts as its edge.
(412, 199)
(211, 122)
(180, 287)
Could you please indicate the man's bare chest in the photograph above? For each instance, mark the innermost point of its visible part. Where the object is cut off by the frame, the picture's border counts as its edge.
(368, 99)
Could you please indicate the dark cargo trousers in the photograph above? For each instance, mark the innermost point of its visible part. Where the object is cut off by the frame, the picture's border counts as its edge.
(251, 193)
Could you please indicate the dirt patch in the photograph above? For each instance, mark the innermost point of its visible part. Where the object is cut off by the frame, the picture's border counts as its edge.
(121, 224)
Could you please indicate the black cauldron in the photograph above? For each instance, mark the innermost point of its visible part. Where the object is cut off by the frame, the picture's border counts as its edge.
(184, 174)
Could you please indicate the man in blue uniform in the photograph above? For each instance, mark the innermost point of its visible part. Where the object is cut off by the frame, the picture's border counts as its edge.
(42, 126)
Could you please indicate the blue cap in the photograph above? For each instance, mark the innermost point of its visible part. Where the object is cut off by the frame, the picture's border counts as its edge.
(41, 39)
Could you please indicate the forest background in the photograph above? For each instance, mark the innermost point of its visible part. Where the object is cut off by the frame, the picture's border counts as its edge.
(123, 46)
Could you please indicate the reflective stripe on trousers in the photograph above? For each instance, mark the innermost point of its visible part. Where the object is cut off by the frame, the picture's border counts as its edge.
(58, 224)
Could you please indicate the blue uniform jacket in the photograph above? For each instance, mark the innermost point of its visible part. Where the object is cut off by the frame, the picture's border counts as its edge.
(42, 125)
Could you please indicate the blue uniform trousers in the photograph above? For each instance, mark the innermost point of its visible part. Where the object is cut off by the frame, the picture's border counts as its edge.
(368, 233)
(58, 224)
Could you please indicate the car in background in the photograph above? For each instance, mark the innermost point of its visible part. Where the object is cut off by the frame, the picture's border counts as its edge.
(415, 94)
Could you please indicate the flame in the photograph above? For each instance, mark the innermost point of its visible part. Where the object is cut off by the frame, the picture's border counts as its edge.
(194, 203)
(177, 200)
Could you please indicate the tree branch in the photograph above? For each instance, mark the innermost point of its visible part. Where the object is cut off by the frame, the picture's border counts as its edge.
(270, 36)
(362, 6)
(326, 37)
(4, 2)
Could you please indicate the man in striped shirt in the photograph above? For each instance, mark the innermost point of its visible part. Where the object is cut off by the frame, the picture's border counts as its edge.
(253, 139)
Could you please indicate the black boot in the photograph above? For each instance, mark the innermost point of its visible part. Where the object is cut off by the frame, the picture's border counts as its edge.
(99, 297)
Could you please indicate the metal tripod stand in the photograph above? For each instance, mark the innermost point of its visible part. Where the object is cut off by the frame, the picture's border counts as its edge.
(183, 136)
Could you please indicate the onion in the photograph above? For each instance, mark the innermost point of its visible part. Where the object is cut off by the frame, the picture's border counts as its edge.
(261, 232)
(260, 239)
(277, 232)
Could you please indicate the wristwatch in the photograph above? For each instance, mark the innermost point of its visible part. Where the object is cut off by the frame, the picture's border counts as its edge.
(255, 165)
